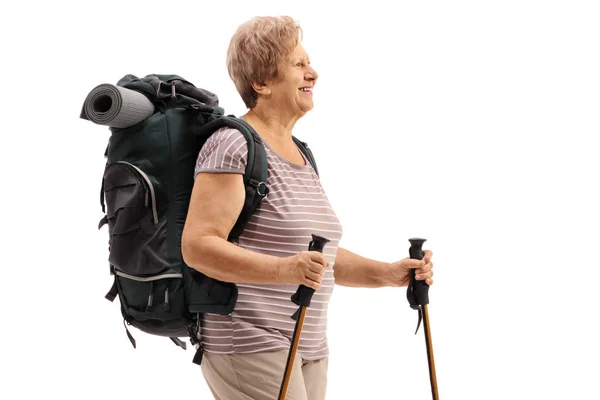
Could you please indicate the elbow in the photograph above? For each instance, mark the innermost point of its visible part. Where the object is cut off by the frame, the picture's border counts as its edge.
(186, 252)
(195, 252)
(190, 252)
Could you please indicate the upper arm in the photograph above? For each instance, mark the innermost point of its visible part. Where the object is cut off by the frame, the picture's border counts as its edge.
(215, 205)
(218, 194)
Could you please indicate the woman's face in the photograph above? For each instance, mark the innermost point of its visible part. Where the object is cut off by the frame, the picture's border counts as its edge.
(293, 87)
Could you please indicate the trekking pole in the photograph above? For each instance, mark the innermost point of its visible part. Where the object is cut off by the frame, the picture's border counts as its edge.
(418, 297)
(302, 297)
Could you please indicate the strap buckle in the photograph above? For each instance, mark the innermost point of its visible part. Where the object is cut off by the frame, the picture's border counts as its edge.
(173, 91)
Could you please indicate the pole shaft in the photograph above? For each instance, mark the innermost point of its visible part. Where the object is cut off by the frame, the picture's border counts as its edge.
(292, 354)
(430, 359)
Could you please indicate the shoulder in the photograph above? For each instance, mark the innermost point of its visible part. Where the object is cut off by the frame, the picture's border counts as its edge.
(226, 136)
(226, 150)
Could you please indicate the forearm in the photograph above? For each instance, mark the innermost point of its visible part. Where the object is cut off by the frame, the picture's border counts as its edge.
(356, 271)
(227, 262)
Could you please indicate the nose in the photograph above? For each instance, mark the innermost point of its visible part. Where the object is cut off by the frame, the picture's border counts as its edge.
(311, 74)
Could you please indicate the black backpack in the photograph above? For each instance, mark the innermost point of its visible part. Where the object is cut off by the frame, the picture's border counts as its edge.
(145, 194)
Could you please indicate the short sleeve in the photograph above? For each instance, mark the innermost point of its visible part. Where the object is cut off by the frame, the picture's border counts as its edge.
(226, 151)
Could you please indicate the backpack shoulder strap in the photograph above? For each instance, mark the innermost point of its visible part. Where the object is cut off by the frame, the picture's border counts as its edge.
(307, 152)
(255, 177)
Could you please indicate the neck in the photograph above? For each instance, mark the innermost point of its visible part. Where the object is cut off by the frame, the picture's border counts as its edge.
(273, 123)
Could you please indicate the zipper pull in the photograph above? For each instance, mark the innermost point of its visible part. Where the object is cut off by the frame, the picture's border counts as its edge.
(150, 297)
(167, 299)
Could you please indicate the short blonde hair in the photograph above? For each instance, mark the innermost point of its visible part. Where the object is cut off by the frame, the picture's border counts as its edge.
(255, 50)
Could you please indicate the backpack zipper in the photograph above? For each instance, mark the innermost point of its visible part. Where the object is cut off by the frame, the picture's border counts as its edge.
(149, 183)
(149, 278)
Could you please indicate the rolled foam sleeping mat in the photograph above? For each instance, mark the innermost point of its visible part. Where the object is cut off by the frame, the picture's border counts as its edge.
(116, 106)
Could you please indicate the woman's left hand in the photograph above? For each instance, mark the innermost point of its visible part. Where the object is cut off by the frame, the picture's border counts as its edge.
(399, 271)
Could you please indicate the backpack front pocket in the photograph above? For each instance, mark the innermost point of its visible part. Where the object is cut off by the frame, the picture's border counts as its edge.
(154, 304)
(137, 239)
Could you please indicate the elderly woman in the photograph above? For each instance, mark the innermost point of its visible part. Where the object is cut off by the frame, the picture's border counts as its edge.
(246, 351)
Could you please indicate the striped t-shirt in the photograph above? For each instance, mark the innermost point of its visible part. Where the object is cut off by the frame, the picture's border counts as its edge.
(295, 207)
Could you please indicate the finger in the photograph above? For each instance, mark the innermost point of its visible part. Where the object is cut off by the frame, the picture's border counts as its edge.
(414, 263)
(426, 268)
(312, 276)
(427, 254)
(429, 281)
(423, 275)
(312, 284)
(316, 268)
(319, 258)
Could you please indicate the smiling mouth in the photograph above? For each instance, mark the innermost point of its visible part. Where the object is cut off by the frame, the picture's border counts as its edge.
(307, 90)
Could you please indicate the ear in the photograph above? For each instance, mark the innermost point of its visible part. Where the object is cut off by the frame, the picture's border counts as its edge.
(261, 88)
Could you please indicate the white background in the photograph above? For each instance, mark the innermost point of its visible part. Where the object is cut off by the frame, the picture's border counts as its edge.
(469, 123)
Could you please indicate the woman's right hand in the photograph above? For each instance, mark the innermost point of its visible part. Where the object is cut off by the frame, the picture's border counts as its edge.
(305, 268)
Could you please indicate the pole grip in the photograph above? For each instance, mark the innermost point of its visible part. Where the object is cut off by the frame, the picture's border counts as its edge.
(304, 294)
(417, 291)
